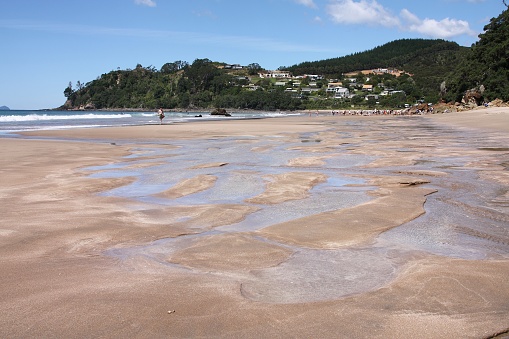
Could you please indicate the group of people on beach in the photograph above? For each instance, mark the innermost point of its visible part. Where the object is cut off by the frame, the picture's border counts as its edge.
(380, 112)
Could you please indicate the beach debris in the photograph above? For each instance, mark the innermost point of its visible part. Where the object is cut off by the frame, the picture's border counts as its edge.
(413, 182)
(209, 165)
(171, 311)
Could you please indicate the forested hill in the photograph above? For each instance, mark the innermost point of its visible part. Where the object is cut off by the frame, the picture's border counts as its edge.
(412, 55)
(207, 84)
(429, 61)
(436, 70)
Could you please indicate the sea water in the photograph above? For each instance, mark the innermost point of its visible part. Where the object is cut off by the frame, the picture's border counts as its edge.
(25, 120)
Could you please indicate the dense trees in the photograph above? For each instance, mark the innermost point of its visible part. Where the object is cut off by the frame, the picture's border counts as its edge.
(435, 70)
(254, 68)
(204, 83)
(173, 67)
(395, 54)
(427, 60)
(486, 64)
(178, 84)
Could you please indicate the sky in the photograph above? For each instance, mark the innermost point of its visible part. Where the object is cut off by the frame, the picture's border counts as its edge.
(45, 44)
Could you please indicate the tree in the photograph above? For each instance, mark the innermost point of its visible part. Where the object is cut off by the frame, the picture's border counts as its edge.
(173, 67)
(68, 91)
(200, 75)
(253, 68)
(486, 64)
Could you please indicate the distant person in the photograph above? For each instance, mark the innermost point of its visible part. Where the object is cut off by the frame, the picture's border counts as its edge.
(160, 113)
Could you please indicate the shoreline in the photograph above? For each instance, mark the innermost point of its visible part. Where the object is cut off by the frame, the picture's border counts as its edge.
(483, 119)
(289, 227)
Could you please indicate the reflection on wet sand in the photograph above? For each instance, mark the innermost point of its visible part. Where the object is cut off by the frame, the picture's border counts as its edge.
(403, 221)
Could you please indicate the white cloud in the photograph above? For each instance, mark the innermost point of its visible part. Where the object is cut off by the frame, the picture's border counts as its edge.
(443, 29)
(370, 12)
(409, 17)
(307, 3)
(149, 3)
(363, 12)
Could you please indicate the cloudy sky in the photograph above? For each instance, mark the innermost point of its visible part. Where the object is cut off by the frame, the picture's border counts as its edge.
(47, 43)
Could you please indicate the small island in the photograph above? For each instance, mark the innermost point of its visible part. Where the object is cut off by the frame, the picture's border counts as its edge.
(4, 108)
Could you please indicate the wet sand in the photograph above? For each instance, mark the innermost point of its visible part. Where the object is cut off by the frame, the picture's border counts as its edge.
(289, 227)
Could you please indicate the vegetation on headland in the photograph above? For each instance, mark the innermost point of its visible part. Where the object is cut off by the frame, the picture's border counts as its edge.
(433, 71)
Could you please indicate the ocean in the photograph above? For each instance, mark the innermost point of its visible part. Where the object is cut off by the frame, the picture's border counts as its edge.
(25, 120)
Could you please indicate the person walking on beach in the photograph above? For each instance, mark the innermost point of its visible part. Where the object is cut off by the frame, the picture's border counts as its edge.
(160, 113)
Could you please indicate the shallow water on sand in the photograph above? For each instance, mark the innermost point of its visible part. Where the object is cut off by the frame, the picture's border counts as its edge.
(461, 220)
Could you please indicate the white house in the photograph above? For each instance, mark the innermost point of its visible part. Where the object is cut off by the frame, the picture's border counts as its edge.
(251, 87)
(233, 66)
(276, 74)
(331, 86)
(367, 88)
(341, 93)
(314, 77)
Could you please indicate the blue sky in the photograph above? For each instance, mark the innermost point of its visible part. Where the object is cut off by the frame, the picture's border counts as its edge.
(47, 43)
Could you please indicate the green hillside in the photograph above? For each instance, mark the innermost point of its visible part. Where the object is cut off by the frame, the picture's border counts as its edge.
(396, 54)
(435, 70)
(206, 84)
(428, 61)
(486, 67)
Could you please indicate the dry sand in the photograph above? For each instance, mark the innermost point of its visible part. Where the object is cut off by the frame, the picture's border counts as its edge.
(424, 255)
(493, 118)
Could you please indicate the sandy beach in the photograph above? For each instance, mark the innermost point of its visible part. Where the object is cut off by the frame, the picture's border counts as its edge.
(304, 226)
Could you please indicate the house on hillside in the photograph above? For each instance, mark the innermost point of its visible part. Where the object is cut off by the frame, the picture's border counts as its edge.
(331, 86)
(233, 66)
(341, 93)
(352, 81)
(314, 77)
(309, 90)
(390, 91)
(371, 97)
(252, 87)
(291, 90)
(276, 74)
(367, 88)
